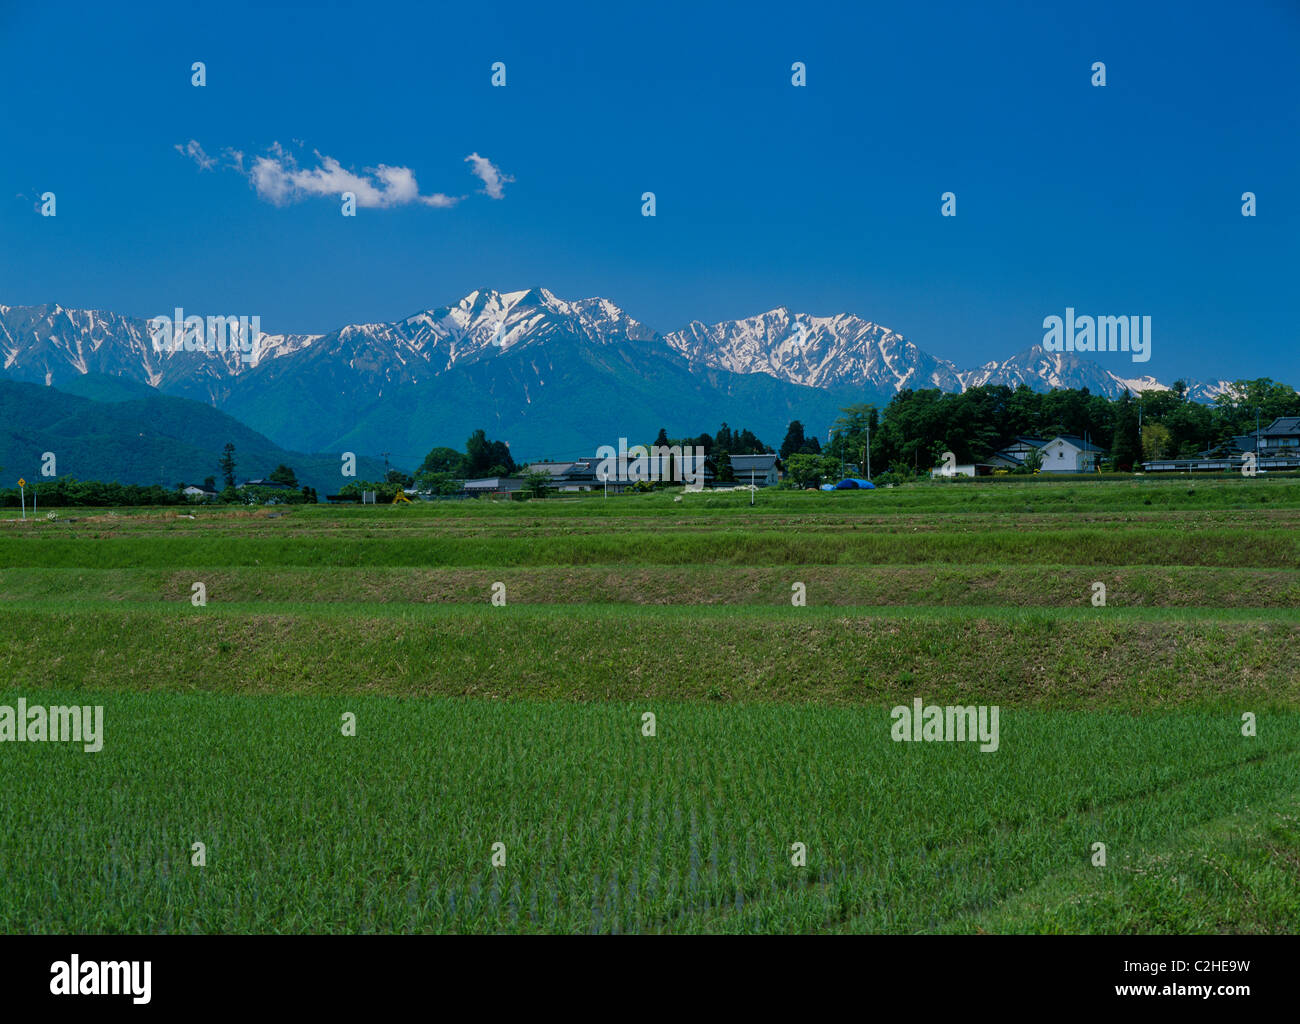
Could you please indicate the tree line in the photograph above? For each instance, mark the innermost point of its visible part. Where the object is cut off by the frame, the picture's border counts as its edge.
(916, 427)
(900, 442)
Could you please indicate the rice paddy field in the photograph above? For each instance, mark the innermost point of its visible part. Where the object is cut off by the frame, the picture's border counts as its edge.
(676, 716)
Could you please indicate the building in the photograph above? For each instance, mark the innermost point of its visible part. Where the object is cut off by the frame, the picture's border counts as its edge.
(198, 494)
(1013, 455)
(1281, 437)
(1278, 449)
(568, 476)
(494, 486)
(964, 469)
(1064, 453)
(759, 470)
(1233, 447)
(274, 484)
(624, 473)
(1067, 453)
(1201, 464)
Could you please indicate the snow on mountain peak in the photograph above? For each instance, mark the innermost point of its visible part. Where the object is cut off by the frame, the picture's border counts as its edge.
(821, 351)
(839, 351)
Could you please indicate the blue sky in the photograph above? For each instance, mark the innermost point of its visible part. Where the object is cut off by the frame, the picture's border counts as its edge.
(1115, 200)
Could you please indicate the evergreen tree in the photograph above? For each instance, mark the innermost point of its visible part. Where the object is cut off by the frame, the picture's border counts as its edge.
(794, 440)
(486, 458)
(227, 464)
(1126, 445)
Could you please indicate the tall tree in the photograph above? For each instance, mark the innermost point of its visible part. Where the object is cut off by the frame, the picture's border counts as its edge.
(227, 464)
(1126, 444)
(487, 458)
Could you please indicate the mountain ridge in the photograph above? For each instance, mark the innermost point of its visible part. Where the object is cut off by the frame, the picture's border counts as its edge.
(498, 357)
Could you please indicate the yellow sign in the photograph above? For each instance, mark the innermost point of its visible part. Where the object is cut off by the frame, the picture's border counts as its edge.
(22, 482)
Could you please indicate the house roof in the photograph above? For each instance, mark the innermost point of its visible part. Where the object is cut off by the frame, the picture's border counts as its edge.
(495, 483)
(584, 470)
(1283, 426)
(757, 463)
(1234, 445)
(1078, 442)
(653, 464)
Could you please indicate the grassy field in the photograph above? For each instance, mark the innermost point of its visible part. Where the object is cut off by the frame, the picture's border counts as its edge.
(523, 725)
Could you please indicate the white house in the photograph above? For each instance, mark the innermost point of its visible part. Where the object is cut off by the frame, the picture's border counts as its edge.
(1013, 456)
(1070, 454)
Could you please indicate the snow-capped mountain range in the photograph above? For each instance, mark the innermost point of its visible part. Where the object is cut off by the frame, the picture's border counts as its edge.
(846, 351)
(43, 343)
(496, 354)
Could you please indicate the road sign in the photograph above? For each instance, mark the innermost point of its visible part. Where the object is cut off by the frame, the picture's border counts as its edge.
(22, 482)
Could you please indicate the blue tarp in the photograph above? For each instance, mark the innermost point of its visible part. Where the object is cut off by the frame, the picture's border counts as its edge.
(852, 483)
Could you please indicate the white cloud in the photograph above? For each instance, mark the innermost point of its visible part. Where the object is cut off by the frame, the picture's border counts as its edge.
(278, 178)
(194, 151)
(491, 176)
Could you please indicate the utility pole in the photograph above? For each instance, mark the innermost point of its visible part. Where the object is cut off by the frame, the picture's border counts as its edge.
(867, 452)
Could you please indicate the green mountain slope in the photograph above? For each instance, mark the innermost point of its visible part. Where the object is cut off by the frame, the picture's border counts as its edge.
(115, 430)
(552, 401)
